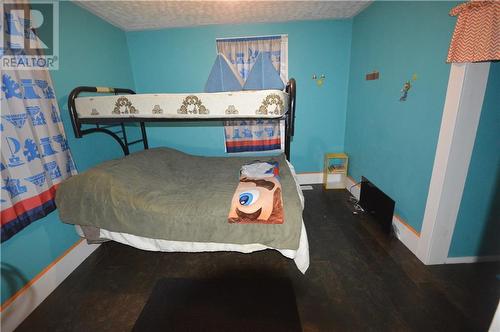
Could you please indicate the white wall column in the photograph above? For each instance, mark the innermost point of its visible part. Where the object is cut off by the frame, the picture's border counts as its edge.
(462, 110)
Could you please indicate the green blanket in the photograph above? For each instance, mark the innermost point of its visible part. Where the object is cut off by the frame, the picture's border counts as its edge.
(166, 194)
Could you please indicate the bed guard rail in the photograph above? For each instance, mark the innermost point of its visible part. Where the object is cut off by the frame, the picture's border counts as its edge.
(106, 126)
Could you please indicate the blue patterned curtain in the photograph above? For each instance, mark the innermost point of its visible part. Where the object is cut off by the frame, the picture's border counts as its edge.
(243, 52)
(257, 135)
(35, 156)
(35, 152)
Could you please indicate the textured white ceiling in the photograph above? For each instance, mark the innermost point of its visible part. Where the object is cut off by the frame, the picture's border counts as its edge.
(143, 15)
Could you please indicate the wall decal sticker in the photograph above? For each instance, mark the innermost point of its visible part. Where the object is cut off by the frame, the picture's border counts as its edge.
(406, 87)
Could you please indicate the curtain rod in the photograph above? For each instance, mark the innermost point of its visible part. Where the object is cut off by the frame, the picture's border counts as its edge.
(252, 37)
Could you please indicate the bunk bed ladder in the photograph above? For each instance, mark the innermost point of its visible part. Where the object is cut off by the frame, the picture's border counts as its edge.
(123, 132)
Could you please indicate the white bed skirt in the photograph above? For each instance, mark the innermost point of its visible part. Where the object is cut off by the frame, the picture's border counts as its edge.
(300, 256)
(238, 104)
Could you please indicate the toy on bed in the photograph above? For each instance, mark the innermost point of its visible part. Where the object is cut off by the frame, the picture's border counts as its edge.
(257, 199)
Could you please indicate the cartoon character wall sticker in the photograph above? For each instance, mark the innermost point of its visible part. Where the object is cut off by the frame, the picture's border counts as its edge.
(406, 87)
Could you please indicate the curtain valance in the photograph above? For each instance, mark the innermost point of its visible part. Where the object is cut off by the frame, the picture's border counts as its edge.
(477, 32)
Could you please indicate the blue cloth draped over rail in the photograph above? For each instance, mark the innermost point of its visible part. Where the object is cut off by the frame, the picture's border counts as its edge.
(255, 135)
(35, 155)
(243, 53)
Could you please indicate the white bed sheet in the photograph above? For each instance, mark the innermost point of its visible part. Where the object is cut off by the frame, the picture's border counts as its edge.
(300, 256)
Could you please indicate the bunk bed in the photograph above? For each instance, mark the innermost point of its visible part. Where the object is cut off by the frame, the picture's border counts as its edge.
(164, 200)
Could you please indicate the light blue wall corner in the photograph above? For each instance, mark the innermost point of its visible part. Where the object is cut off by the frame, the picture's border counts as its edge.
(92, 52)
(390, 142)
(477, 230)
(179, 60)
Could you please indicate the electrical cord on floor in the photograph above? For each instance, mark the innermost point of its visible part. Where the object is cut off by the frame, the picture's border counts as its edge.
(355, 201)
(354, 185)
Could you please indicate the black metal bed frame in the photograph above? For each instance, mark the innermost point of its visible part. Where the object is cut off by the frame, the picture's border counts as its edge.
(103, 125)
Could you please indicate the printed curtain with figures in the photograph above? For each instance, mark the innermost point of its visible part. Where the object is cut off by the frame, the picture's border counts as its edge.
(243, 52)
(35, 152)
(255, 135)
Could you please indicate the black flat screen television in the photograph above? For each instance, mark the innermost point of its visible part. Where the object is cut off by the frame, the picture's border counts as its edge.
(376, 203)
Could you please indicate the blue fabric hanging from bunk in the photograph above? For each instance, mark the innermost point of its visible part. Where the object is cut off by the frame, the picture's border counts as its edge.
(261, 63)
(222, 77)
(263, 75)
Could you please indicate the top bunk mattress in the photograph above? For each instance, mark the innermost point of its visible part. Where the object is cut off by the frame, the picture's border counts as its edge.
(235, 104)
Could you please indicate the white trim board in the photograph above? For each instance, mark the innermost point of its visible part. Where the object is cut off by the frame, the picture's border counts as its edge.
(402, 231)
(472, 259)
(461, 113)
(316, 178)
(310, 178)
(495, 323)
(28, 300)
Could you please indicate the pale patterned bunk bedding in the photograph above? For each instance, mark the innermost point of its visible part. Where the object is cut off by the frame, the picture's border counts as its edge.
(237, 104)
(153, 200)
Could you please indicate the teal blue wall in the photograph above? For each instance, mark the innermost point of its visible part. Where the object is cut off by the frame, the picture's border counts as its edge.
(179, 60)
(390, 142)
(477, 231)
(92, 52)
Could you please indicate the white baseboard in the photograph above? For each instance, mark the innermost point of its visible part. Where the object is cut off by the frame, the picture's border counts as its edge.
(410, 237)
(495, 324)
(472, 259)
(316, 178)
(28, 298)
(310, 178)
(403, 232)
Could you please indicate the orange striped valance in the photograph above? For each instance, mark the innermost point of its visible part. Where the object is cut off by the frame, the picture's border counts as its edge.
(477, 32)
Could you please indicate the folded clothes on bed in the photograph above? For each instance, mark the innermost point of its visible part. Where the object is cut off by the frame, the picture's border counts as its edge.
(257, 199)
(258, 169)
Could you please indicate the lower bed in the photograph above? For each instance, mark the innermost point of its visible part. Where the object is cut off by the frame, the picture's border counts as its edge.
(165, 200)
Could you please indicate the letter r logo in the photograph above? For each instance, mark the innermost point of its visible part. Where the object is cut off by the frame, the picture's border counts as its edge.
(27, 30)
(29, 35)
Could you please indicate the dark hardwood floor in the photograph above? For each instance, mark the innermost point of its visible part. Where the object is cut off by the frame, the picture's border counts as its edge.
(359, 280)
